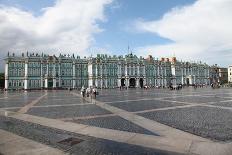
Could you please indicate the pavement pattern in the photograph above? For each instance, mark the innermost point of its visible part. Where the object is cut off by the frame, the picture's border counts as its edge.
(133, 121)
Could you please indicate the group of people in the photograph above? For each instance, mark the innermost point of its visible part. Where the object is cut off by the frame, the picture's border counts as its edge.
(215, 85)
(89, 92)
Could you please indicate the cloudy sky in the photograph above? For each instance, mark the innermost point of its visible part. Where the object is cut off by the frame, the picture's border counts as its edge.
(196, 30)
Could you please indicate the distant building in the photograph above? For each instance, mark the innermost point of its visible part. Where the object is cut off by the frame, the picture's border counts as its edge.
(223, 75)
(214, 74)
(34, 71)
(189, 73)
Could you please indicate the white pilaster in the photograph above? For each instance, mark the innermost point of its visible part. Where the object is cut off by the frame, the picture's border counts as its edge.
(137, 82)
(26, 76)
(6, 75)
(138, 71)
(41, 74)
(46, 83)
(54, 83)
(59, 75)
(126, 70)
(119, 82)
(74, 75)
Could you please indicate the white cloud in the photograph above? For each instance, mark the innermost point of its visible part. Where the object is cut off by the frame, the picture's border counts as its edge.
(68, 26)
(201, 31)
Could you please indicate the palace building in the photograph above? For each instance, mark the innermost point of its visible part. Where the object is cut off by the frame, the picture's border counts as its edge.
(34, 71)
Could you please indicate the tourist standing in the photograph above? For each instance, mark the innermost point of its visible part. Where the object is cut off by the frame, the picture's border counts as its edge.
(95, 93)
(83, 91)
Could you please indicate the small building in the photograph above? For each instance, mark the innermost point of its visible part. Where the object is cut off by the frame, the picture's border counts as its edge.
(223, 75)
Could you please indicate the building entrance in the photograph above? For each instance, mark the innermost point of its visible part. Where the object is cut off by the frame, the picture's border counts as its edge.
(123, 82)
(132, 82)
(50, 83)
(187, 81)
(141, 82)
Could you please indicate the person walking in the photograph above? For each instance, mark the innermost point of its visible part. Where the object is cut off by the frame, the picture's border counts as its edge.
(83, 91)
(94, 93)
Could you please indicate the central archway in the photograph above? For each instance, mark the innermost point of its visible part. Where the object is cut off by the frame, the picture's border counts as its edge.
(141, 82)
(50, 83)
(123, 82)
(187, 81)
(132, 82)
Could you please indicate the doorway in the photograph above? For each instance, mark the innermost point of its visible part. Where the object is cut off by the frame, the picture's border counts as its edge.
(132, 82)
(123, 82)
(141, 82)
(50, 83)
(187, 81)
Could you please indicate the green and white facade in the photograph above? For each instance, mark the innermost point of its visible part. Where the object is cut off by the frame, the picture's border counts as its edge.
(34, 71)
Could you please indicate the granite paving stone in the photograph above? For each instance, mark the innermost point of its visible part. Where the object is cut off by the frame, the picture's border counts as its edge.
(116, 123)
(87, 146)
(212, 123)
(133, 106)
(197, 99)
(68, 111)
(223, 104)
(19, 102)
(60, 101)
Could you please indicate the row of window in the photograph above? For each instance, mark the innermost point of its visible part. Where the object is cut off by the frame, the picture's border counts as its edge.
(20, 83)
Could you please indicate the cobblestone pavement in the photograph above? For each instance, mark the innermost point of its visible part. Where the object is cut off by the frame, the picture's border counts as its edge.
(68, 111)
(114, 122)
(224, 104)
(87, 146)
(203, 112)
(213, 123)
(197, 99)
(133, 106)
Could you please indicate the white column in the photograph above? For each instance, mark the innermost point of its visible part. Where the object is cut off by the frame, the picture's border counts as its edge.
(119, 82)
(101, 83)
(158, 71)
(54, 76)
(119, 69)
(46, 83)
(90, 73)
(26, 76)
(144, 74)
(59, 75)
(74, 76)
(127, 82)
(96, 75)
(47, 69)
(137, 82)
(138, 71)
(126, 70)
(106, 83)
(144, 81)
(96, 82)
(134, 69)
(54, 83)
(41, 74)
(6, 75)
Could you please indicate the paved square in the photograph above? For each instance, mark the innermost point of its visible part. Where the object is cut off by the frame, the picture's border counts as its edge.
(223, 104)
(141, 105)
(197, 99)
(116, 123)
(134, 118)
(68, 111)
(207, 122)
